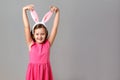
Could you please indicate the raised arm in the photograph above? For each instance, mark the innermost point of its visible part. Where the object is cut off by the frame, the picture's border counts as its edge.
(55, 24)
(26, 24)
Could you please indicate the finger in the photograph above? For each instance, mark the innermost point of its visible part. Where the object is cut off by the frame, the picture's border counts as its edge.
(31, 7)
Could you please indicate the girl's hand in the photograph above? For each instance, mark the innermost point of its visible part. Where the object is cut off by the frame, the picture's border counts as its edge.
(54, 9)
(29, 7)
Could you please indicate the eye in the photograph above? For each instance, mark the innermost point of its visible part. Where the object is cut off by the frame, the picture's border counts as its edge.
(37, 34)
(42, 33)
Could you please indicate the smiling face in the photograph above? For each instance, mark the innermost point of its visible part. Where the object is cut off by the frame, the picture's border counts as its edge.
(40, 34)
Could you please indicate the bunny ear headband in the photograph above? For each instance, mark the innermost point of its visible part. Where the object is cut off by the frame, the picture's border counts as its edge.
(35, 17)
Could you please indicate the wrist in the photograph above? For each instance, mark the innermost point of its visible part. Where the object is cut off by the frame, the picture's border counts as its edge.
(57, 10)
(25, 8)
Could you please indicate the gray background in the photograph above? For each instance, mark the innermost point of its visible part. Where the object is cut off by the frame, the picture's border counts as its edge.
(87, 46)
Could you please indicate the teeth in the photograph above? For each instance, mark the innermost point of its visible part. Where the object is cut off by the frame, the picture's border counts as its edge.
(40, 39)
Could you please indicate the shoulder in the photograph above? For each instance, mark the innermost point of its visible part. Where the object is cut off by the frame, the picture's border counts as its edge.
(46, 44)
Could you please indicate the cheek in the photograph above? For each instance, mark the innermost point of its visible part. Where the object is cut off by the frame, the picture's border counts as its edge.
(43, 36)
(35, 36)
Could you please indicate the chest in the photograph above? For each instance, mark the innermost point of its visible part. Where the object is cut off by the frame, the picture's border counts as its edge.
(40, 50)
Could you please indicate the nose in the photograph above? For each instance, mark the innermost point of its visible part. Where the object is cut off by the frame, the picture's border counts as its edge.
(40, 36)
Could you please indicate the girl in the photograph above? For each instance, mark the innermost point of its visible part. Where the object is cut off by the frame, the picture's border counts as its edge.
(39, 44)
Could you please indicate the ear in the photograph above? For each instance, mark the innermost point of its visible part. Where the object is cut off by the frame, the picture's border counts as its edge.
(34, 16)
(47, 16)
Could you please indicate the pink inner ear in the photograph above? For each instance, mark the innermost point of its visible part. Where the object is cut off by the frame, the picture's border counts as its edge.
(47, 16)
(34, 15)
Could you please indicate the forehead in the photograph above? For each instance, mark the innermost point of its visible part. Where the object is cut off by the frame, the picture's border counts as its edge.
(40, 30)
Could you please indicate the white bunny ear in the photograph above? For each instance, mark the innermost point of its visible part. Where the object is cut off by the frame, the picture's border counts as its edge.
(34, 16)
(47, 16)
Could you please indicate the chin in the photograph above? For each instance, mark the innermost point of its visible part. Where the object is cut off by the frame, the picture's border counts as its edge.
(40, 42)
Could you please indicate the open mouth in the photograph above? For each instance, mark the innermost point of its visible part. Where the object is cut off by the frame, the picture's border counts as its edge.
(40, 39)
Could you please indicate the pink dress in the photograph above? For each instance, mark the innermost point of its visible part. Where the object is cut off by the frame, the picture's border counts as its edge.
(39, 62)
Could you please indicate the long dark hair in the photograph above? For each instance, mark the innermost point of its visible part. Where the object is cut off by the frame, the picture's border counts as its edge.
(37, 27)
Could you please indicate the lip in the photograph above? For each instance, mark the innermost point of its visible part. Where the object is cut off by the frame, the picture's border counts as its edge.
(40, 40)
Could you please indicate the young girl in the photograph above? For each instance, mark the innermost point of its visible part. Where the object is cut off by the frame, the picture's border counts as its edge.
(39, 44)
